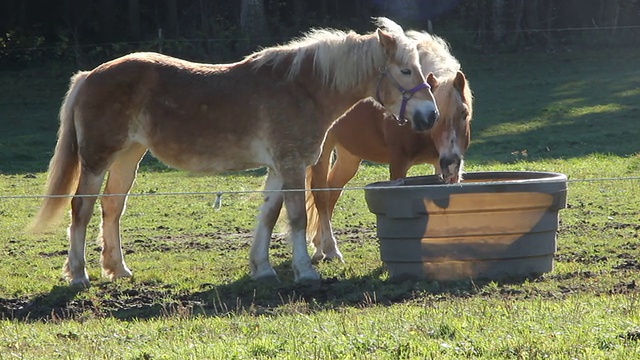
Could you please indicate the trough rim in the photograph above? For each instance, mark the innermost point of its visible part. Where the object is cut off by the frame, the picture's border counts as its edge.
(435, 181)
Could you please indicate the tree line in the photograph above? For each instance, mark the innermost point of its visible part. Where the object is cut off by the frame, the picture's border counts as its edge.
(222, 30)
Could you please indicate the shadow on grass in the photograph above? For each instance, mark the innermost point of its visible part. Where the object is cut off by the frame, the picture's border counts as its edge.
(553, 106)
(243, 296)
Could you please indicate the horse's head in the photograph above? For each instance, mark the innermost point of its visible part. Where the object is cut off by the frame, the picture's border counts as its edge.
(402, 87)
(452, 133)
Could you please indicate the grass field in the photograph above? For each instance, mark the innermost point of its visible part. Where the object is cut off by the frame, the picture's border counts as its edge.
(572, 112)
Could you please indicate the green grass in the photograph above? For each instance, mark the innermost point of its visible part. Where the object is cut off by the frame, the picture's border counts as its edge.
(580, 327)
(191, 297)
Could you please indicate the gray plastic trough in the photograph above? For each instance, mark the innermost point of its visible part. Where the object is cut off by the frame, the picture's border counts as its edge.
(493, 225)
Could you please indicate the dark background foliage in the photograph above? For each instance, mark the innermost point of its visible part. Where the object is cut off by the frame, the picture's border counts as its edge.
(90, 32)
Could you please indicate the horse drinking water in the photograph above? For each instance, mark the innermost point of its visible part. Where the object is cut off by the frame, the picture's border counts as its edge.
(368, 132)
(271, 109)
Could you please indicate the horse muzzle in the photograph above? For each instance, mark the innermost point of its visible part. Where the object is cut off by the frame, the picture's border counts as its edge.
(423, 121)
(451, 167)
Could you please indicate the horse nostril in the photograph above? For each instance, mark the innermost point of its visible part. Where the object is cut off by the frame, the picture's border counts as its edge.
(433, 117)
(446, 162)
(421, 122)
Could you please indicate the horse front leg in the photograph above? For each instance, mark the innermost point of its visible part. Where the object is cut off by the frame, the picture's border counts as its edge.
(74, 268)
(259, 264)
(343, 170)
(398, 166)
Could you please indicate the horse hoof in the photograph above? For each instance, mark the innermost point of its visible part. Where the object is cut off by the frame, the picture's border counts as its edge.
(317, 258)
(124, 273)
(309, 277)
(334, 256)
(266, 276)
(80, 283)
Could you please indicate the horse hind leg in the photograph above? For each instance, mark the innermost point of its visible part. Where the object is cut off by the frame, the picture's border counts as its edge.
(259, 264)
(121, 176)
(81, 210)
(318, 200)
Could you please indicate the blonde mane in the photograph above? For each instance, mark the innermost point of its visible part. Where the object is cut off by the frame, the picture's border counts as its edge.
(333, 53)
(435, 54)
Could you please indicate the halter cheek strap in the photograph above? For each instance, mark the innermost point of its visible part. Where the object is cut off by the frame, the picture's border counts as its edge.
(406, 94)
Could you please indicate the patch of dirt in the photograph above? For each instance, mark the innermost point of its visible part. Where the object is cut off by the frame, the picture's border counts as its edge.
(144, 300)
(633, 264)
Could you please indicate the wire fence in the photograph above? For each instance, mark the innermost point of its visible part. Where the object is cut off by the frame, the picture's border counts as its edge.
(221, 193)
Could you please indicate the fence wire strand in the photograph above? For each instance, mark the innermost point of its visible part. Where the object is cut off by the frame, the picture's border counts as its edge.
(220, 193)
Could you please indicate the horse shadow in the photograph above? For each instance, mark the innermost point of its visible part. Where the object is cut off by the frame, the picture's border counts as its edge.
(248, 296)
(242, 296)
(59, 303)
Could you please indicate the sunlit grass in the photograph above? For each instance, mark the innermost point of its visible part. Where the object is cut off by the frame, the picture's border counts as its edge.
(595, 109)
(190, 296)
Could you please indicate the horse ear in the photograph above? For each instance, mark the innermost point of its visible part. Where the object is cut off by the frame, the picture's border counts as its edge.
(460, 82)
(432, 81)
(388, 42)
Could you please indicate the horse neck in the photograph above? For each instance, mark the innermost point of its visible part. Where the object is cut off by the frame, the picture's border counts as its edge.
(335, 103)
(346, 64)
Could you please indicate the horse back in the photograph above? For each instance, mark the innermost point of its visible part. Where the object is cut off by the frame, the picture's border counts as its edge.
(197, 117)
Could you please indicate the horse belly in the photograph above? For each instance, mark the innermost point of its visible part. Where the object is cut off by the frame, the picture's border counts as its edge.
(209, 152)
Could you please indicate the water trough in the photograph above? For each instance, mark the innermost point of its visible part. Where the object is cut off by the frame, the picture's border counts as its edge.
(493, 225)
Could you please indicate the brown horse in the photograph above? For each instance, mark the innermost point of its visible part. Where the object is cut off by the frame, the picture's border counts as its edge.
(368, 132)
(271, 109)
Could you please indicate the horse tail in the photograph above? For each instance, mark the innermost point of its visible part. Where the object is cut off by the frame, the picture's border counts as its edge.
(64, 167)
(312, 212)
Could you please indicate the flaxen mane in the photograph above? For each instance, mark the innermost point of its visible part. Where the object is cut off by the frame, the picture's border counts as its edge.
(329, 48)
(435, 54)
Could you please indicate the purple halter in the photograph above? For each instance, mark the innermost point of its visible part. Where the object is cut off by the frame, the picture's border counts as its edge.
(406, 94)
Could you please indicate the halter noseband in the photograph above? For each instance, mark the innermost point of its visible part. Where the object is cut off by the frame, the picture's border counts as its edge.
(406, 94)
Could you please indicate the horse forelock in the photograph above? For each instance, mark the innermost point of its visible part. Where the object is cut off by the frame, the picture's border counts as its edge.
(450, 102)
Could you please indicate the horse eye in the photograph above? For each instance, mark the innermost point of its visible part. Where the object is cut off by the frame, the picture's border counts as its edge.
(406, 71)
